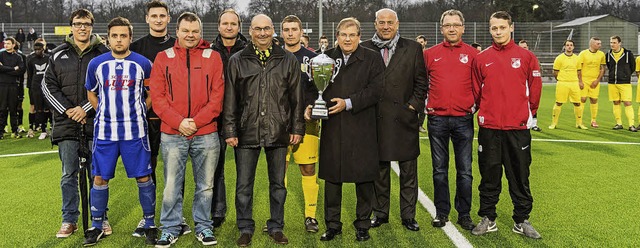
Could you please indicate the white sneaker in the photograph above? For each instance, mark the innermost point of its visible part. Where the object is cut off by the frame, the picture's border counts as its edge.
(43, 135)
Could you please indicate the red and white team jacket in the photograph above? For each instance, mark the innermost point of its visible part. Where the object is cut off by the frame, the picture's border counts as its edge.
(507, 85)
(450, 85)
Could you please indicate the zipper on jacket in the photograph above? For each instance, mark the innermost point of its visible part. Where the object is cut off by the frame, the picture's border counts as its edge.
(208, 89)
(169, 82)
(188, 84)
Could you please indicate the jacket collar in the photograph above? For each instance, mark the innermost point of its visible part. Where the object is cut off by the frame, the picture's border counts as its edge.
(358, 54)
(240, 41)
(94, 42)
(445, 43)
(249, 51)
(505, 47)
(203, 44)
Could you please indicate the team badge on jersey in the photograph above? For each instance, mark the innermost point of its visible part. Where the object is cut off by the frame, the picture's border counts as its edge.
(536, 73)
(464, 58)
(515, 63)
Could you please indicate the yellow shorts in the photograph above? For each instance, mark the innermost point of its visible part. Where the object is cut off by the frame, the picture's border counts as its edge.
(566, 90)
(587, 91)
(307, 151)
(620, 92)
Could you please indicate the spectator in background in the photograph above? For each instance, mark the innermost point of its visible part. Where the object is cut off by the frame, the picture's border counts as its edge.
(32, 36)
(36, 66)
(304, 41)
(11, 67)
(323, 43)
(423, 42)
(20, 38)
(421, 115)
(476, 46)
(525, 45)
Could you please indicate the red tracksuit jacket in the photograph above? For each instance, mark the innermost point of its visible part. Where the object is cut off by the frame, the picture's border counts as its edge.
(450, 84)
(507, 85)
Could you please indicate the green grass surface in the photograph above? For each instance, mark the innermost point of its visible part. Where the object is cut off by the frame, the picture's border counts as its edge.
(585, 195)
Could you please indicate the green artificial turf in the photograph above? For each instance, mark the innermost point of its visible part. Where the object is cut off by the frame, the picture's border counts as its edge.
(585, 195)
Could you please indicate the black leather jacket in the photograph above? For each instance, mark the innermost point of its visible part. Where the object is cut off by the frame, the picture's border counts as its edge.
(63, 87)
(263, 103)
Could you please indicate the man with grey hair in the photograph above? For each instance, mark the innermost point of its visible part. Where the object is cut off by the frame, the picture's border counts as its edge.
(263, 108)
(402, 99)
(450, 109)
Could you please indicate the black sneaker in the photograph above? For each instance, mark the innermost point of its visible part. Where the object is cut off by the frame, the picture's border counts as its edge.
(166, 240)
(152, 235)
(207, 238)
(139, 232)
(184, 227)
(439, 221)
(536, 128)
(91, 236)
(617, 127)
(466, 223)
(311, 225)
(633, 129)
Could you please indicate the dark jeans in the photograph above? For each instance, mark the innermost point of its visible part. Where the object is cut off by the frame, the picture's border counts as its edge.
(511, 149)
(408, 189)
(246, 162)
(219, 203)
(154, 143)
(458, 129)
(333, 205)
(8, 107)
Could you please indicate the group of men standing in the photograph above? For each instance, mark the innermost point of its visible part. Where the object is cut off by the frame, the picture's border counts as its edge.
(255, 95)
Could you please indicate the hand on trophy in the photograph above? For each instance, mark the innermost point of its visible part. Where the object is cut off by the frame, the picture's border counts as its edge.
(307, 113)
(340, 105)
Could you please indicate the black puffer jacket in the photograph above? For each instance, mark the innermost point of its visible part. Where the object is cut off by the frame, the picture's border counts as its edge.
(64, 86)
(8, 74)
(263, 104)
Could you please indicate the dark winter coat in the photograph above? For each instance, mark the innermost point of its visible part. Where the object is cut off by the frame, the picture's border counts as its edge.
(406, 84)
(349, 140)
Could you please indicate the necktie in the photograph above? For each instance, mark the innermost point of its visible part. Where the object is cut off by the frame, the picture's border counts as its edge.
(385, 56)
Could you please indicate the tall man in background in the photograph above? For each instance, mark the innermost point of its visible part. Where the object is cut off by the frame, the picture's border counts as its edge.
(591, 65)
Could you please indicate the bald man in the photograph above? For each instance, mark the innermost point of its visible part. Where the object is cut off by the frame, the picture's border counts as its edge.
(263, 109)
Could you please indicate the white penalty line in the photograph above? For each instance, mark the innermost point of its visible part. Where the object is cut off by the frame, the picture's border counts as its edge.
(26, 154)
(456, 237)
(575, 141)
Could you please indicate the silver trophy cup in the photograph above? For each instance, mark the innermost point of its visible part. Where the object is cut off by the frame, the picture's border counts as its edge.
(322, 72)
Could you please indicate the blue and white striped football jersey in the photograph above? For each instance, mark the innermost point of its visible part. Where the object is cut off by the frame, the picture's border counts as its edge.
(119, 83)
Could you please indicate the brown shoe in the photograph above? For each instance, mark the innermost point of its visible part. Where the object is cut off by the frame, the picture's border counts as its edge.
(279, 238)
(66, 230)
(244, 240)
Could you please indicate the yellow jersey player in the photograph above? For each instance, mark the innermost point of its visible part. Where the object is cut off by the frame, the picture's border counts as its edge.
(592, 64)
(565, 70)
(621, 63)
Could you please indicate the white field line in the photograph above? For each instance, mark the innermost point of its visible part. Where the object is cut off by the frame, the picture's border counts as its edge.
(575, 141)
(456, 237)
(27, 154)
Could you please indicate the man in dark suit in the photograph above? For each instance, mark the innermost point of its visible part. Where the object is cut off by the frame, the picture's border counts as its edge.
(398, 124)
(349, 142)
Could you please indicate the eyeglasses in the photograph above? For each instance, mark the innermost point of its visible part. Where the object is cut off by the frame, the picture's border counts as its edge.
(260, 29)
(82, 24)
(454, 25)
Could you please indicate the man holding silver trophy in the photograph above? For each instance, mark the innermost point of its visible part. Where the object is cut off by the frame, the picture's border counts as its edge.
(349, 142)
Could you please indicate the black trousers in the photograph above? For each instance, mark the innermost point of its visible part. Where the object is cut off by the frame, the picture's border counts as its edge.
(408, 189)
(8, 107)
(510, 149)
(154, 143)
(219, 202)
(333, 205)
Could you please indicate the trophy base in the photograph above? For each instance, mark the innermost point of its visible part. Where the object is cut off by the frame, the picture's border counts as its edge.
(319, 114)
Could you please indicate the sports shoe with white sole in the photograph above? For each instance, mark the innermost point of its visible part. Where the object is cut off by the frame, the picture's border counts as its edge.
(525, 228)
(66, 230)
(106, 228)
(43, 135)
(485, 226)
(206, 237)
(139, 231)
(166, 240)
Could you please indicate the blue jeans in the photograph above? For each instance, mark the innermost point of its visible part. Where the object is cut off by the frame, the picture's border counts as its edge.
(68, 152)
(246, 162)
(204, 151)
(460, 130)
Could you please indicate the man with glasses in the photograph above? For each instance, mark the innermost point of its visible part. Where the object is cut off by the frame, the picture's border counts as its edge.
(63, 88)
(263, 108)
(450, 108)
(397, 122)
